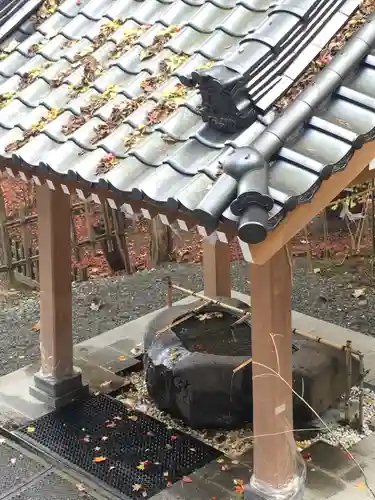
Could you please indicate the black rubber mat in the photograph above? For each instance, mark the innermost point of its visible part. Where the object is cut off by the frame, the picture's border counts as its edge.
(129, 451)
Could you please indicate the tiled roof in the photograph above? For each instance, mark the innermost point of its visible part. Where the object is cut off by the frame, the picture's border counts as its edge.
(105, 92)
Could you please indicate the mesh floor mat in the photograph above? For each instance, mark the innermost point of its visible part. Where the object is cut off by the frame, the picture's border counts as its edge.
(129, 451)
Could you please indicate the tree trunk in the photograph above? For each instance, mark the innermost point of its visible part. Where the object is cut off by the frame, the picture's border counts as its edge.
(160, 248)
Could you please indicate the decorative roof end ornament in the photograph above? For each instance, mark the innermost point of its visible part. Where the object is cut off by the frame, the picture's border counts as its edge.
(225, 100)
(253, 202)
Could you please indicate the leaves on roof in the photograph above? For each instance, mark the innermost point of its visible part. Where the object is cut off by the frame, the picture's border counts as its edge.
(207, 65)
(129, 38)
(354, 23)
(91, 70)
(29, 77)
(119, 112)
(106, 164)
(166, 68)
(34, 130)
(47, 8)
(6, 98)
(105, 31)
(159, 41)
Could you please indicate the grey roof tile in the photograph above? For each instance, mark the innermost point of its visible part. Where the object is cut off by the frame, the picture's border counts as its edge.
(217, 46)
(70, 8)
(11, 64)
(57, 22)
(188, 41)
(179, 12)
(208, 18)
(257, 5)
(182, 124)
(240, 21)
(136, 172)
(94, 93)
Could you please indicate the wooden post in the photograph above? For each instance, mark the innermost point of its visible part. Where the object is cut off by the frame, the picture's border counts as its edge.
(161, 244)
(274, 455)
(216, 268)
(58, 382)
(7, 257)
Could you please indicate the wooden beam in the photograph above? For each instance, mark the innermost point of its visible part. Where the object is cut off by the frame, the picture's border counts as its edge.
(303, 214)
(216, 268)
(271, 289)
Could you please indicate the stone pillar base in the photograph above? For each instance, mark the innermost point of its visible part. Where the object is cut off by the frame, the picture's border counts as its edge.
(295, 490)
(59, 393)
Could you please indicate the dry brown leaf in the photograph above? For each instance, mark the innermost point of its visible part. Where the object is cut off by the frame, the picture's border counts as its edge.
(36, 327)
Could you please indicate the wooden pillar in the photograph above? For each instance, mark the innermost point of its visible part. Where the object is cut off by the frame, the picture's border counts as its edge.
(57, 382)
(216, 268)
(271, 289)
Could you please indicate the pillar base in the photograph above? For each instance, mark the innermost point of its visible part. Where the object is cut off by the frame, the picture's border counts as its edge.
(258, 491)
(59, 393)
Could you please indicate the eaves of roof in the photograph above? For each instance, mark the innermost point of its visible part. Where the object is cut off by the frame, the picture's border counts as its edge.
(100, 93)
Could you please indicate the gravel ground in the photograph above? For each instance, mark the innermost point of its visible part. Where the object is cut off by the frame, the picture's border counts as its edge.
(326, 295)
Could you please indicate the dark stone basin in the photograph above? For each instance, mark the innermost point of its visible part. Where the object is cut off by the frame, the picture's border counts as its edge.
(189, 368)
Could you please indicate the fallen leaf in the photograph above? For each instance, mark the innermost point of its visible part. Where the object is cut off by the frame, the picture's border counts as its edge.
(122, 358)
(359, 292)
(187, 479)
(361, 486)
(95, 305)
(239, 487)
(36, 327)
(98, 460)
(30, 429)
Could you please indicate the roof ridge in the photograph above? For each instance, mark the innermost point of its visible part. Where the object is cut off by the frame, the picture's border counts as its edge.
(244, 183)
(228, 102)
(20, 12)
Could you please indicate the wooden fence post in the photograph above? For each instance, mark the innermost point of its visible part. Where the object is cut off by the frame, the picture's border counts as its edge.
(161, 241)
(5, 241)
